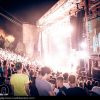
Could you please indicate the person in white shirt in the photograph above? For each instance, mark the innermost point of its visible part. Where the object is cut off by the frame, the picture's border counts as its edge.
(96, 88)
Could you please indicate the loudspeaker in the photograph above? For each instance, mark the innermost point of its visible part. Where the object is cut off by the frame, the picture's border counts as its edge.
(96, 73)
(73, 20)
(74, 36)
(81, 14)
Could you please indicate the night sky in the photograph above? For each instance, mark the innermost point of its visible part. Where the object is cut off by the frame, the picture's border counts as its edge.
(24, 10)
(27, 10)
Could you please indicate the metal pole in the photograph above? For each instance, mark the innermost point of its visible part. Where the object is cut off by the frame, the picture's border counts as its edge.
(86, 32)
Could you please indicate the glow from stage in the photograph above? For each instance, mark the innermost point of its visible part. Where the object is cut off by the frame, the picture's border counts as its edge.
(83, 55)
(62, 28)
(62, 64)
(10, 38)
(83, 45)
(57, 48)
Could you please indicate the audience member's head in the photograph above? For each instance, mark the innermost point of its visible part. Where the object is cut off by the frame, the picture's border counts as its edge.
(45, 72)
(4, 62)
(93, 82)
(19, 66)
(32, 72)
(12, 65)
(27, 66)
(72, 79)
(96, 83)
(59, 81)
(24, 71)
(53, 74)
(89, 85)
(81, 84)
(88, 82)
(65, 75)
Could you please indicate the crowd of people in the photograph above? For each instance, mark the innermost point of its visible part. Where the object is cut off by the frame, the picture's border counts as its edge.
(17, 79)
(11, 56)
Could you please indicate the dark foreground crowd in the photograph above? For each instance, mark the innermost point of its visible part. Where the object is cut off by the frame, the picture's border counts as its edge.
(19, 80)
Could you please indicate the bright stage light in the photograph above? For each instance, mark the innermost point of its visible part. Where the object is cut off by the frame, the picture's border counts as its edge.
(61, 29)
(62, 64)
(69, 29)
(56, 51)
(83, 55)
(73, 62)
(55, 63)
(83, 45)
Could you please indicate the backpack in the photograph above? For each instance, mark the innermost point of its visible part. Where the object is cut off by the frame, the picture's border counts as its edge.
(33, 88)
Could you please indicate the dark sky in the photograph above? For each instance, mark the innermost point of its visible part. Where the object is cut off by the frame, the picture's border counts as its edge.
(25, 11)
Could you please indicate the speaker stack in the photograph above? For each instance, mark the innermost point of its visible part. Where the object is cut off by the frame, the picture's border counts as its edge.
(96, 73)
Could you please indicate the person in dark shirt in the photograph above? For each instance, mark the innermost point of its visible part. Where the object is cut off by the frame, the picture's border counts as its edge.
(77, 91)
(61, 87)
(5, 87)
(41, 84)
(89, 85)
(74, 90)
(13, 69)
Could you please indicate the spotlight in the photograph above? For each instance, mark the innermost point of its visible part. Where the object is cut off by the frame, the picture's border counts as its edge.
(83, 45)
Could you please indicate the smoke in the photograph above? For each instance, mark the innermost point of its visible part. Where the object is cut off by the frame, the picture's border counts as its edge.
(10, 38)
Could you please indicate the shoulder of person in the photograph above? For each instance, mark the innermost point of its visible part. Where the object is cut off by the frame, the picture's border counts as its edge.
(13, 75)
(24, 74)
